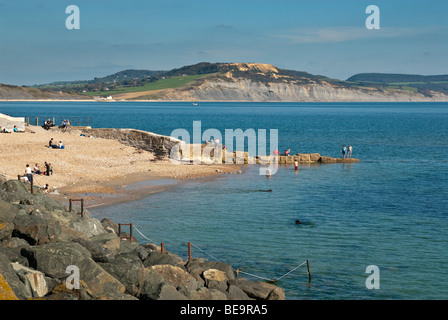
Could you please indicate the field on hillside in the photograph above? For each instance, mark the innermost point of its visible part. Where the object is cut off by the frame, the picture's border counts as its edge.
(171, 82)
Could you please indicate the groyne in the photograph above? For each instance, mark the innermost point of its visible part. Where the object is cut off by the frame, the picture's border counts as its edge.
(205, 153)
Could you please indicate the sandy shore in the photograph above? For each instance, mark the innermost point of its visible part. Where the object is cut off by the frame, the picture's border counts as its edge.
(100, 171)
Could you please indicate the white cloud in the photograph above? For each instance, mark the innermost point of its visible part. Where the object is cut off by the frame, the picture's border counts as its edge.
(343, 34)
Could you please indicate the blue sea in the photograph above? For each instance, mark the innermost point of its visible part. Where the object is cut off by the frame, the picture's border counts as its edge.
(390, 210)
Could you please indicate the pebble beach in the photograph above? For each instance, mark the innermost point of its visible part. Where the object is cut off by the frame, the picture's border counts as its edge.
(100, 169)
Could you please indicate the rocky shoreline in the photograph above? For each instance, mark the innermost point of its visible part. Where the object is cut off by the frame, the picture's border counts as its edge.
(42, 242)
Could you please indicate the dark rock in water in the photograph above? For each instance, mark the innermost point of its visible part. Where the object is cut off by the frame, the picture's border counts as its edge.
(259, 290)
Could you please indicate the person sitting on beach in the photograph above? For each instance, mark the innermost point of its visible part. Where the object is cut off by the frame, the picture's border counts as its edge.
(36, 169)
(61, 146)
(47, 124)
(15, 129)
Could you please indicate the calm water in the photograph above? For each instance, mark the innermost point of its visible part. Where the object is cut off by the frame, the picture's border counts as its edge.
(389, 210)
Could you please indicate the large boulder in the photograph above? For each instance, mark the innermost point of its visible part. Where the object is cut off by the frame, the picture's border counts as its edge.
(21, 290)
(157, 257)
(98, 252)
(259, 290)
(54, 258)
(89, 227)
(7, 214)
(196, 267)
(6, 292)
(36, 229)
(161, 279)
(33, 279)
(129, 270)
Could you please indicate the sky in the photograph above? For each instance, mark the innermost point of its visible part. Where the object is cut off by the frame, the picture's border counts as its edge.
(325, 37)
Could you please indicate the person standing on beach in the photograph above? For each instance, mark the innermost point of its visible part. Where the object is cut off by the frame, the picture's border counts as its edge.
(47, 169)
(29, 173)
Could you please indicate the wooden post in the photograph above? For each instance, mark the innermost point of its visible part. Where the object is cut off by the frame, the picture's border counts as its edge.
(162, 249)
(309, 273)
(130, 230)
(70, 207)
(82, 207)
(189, 251)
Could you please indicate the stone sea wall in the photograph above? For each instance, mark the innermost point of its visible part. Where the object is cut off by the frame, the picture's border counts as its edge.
(159, 144)
(8, 123)
(41, 241)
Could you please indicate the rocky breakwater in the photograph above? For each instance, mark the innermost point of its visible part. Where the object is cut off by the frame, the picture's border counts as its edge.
(43, 244)
(313, 158)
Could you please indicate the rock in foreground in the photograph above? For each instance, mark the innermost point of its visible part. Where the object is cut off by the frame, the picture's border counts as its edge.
(43, 245)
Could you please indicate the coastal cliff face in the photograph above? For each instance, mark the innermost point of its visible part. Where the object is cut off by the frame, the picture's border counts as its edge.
(249, 90)
(265, 82)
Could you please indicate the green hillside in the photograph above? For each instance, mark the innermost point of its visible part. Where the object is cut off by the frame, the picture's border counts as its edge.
(425, 85)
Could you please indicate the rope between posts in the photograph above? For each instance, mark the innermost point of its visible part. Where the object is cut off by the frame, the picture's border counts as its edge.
(237, 270)
(143, 234)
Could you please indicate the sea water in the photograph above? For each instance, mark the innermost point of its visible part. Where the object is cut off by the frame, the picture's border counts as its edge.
(389, 210)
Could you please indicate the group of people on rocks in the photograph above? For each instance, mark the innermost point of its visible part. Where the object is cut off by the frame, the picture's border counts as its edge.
(347, 151)
(48, 124)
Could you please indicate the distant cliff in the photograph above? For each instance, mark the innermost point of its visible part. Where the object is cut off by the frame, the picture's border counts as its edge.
(240, 82)
(262, 82)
